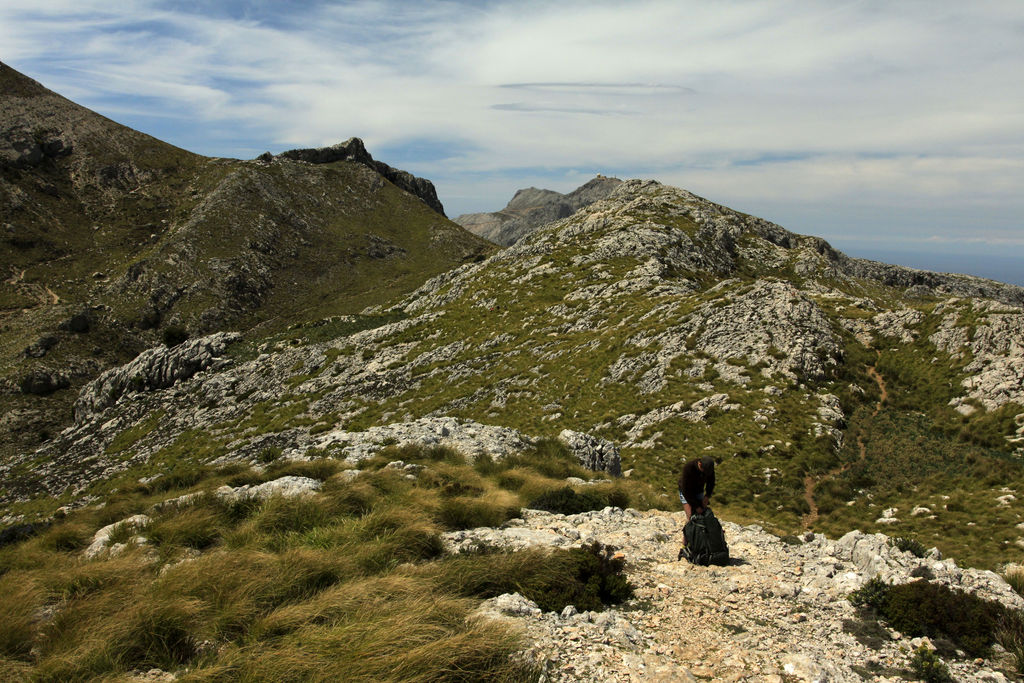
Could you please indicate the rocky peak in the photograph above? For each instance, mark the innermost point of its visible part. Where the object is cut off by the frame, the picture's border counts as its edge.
(353, 149)
(531, 208)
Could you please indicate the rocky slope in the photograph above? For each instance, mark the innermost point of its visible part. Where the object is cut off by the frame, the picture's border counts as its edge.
(657, 321)
(778, 612)
(110, 237)
(531, 208)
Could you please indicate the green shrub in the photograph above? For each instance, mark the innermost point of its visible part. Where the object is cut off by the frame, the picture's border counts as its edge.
(595, 579)
(922, 608)
(469, 513)
(911, 545)
(615, 496)
(871, 594)
(566, 501)
(588, 578)
(929, 609)
(927, 667)
(173, 335)
(269, 454)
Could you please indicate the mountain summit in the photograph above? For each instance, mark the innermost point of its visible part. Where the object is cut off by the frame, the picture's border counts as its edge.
(531, 208)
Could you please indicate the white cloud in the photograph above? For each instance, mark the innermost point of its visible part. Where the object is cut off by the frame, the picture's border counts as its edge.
(891, 104)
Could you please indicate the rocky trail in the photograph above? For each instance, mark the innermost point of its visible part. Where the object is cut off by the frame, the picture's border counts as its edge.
(811, 483)
(777, 613)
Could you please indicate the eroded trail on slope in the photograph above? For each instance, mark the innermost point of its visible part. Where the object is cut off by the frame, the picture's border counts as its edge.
(811, 484)
(776, 613)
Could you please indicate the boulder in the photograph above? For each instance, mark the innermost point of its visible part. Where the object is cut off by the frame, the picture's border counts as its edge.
(593, 452)
(156, 368)
(43, 382)
(286, 487)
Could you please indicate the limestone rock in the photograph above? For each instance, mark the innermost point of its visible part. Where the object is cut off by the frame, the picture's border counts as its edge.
(286, 487)
(354, 150)
(101, 539)
(157, 368)
(594, 453)
(531, 208)
(467, 436)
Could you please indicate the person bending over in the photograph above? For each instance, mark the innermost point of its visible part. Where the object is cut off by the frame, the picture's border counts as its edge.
(696, 484)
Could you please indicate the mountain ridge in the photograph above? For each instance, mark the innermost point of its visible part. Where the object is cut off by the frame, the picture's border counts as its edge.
(668, 334)
(531, 208)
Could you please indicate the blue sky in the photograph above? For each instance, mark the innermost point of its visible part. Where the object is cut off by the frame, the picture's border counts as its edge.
(886, 128)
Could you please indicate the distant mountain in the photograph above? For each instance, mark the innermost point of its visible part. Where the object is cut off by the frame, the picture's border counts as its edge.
(531, 208)
(110, 237)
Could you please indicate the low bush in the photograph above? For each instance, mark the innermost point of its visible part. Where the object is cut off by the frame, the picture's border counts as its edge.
(614, 495)
(923, 608)
(871, 594)
(594, 580)
(909, 545)
(269, 454)
(469, 513)
(588, 578)
(567, 501)
(173, 335)
(927, 667)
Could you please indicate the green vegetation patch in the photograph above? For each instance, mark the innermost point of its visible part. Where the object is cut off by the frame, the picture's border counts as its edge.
(953, 618)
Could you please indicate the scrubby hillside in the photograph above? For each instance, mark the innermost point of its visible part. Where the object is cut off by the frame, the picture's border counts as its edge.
(112, 238)
(655, 320)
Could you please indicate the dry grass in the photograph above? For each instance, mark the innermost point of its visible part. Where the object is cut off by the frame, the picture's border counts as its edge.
(349, 584)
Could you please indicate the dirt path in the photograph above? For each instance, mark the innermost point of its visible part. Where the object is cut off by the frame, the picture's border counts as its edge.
(810, 483)
(41, 293)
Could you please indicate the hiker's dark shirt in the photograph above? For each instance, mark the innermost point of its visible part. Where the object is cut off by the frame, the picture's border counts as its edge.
(696, 484)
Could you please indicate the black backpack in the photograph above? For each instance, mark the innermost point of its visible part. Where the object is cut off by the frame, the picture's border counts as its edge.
(705, 540)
